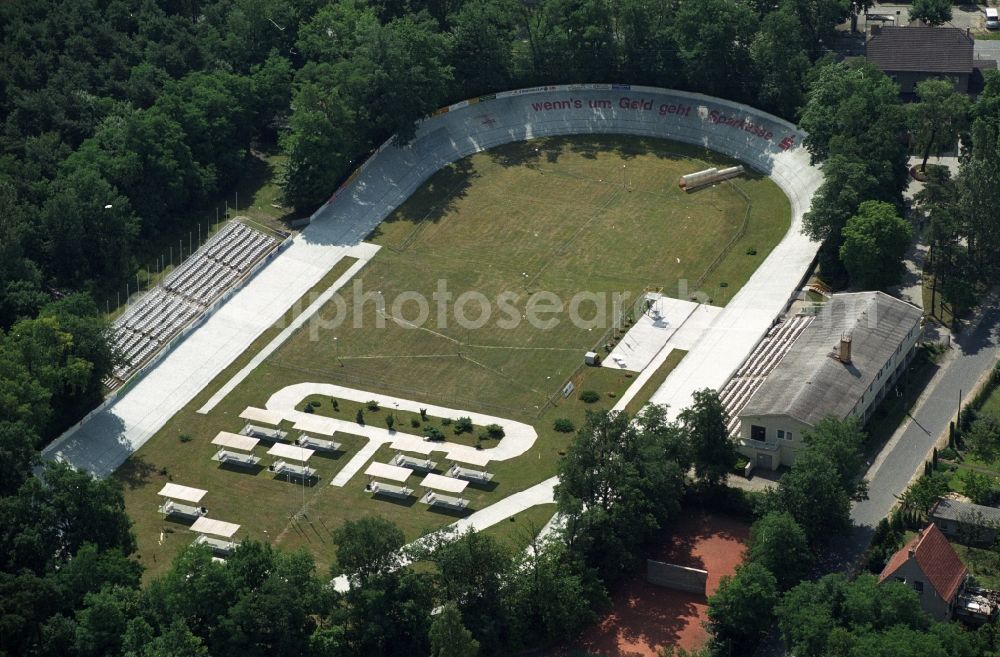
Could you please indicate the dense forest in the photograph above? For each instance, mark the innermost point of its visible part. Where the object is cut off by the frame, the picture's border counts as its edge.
(120, 117)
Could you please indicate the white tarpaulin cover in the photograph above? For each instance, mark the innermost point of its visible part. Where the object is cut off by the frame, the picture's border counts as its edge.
(261, 415)
(447, 484)
(183, 493)
(215, 527)
(294, 452)
(481, 459)
(386, 471)
(235, 441)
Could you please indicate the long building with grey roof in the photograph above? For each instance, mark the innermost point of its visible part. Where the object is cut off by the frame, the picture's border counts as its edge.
(841, 365)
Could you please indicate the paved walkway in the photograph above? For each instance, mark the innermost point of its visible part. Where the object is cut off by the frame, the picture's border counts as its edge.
(518, 436)
(368, 251)
(541, 493)
(647, 337)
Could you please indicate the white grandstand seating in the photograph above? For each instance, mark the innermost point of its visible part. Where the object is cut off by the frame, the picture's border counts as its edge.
(184, 294)
(762, 360)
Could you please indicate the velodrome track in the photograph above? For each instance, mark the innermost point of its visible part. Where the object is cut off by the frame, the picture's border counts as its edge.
(105, 439)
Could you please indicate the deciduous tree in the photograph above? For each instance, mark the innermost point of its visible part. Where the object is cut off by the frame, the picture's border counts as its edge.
(706, 423)
(875, 243)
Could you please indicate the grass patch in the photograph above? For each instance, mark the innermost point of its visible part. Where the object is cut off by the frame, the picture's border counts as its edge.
(562, 218)
(654, 382)
(519, 530)
(347, 410)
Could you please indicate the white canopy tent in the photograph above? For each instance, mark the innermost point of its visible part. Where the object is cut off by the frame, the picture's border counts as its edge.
(261, 415)
(481, 459)
(325, 426)
(447, 484)
(215, 527)
(386, 471)
(235, 441)
(183, 493)
(293, 452)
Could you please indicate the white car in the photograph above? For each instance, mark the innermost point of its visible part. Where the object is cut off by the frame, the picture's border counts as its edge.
(992, 19)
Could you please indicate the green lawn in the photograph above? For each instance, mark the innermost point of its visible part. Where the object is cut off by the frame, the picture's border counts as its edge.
(566, 218)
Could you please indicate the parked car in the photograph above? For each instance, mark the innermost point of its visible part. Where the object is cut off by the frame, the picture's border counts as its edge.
(992, 19)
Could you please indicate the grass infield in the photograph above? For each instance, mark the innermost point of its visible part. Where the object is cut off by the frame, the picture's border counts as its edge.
(595, 214)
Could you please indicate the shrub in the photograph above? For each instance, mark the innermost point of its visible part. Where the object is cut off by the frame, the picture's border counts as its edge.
(444, 421)
(390, 421)
(563, 425)
(423, 414)
(335, 404)
(495, 431)
(315, 403)
(307, 409)
(185, 437)
(415, 423)
(752, 251)
(433, 433)
(463, 425)
(360, 417)
(372, 405)
(590, 396)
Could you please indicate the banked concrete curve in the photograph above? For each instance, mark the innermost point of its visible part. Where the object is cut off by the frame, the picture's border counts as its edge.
(106, 437)
(760, 140)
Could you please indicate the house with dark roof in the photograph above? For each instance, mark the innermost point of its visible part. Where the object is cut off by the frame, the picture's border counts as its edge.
(912, 54)
(841, 365)
(967, 523)
(931, 567)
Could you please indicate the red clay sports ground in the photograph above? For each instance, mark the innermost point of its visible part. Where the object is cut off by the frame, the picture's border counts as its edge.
(644, 617)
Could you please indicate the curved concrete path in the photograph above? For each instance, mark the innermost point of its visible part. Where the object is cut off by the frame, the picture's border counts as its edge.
(105, 439)
(518, 436)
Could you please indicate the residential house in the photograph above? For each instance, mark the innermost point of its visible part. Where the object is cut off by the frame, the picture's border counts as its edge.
(931, 567)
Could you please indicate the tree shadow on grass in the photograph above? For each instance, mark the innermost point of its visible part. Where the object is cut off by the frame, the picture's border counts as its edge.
(252, 471)
(520, 153)
(398, 501)
(434, 199)
(135, 472)
(453, 513)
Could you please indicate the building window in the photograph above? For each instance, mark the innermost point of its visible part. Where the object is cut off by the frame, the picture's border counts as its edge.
(758, 433)
(781, 434)
(918, 587)
(788, 435)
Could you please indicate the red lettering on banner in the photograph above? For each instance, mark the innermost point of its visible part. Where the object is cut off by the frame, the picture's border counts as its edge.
(739, 123)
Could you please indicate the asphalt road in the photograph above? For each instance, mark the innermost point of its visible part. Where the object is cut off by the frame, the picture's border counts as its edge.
(975, 352)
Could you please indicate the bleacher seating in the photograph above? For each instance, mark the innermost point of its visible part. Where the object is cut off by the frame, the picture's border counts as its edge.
(184, 294)
(762, 360)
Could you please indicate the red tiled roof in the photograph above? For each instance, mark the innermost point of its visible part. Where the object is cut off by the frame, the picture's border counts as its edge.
(936, 559)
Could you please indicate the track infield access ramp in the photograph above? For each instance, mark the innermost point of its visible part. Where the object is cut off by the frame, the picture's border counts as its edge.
(104, 439)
